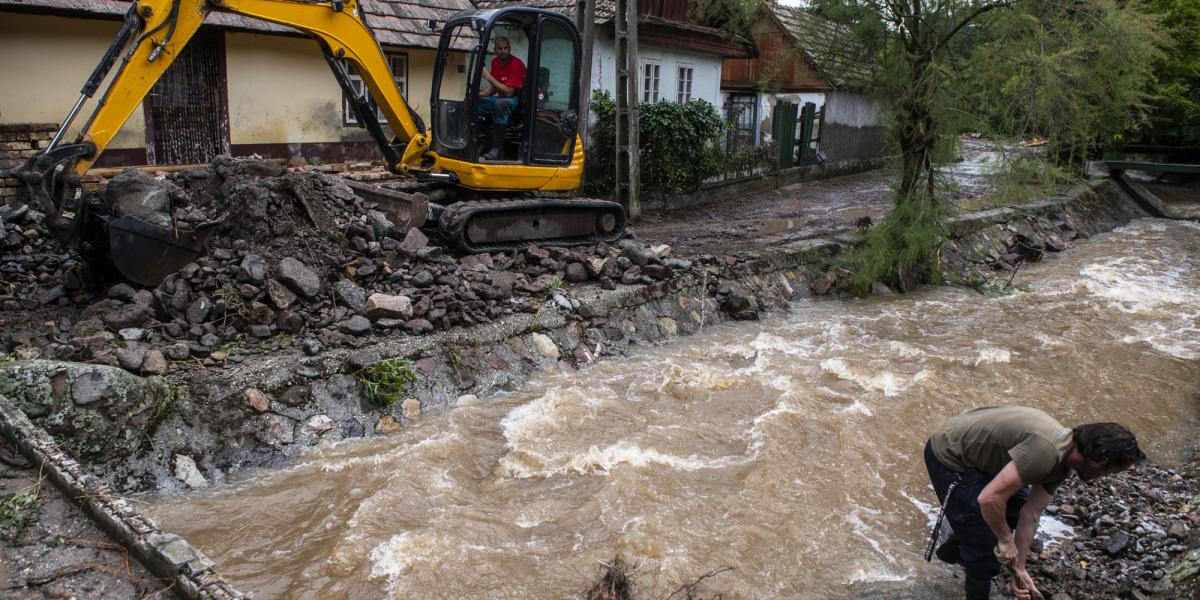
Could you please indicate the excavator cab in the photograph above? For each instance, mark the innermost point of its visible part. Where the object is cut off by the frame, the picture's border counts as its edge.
(542, 129)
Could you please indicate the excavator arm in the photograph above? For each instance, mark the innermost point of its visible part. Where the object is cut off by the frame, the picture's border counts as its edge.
(162, 28)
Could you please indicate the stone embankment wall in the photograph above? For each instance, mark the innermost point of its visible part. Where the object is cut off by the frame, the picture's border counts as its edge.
(18, 142)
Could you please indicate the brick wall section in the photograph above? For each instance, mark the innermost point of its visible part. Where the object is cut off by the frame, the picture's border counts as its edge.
(164, 554)
(19, 141)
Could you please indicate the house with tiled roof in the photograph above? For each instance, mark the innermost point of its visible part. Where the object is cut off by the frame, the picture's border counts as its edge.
(242, 86)
(680, 59)
(803, 58)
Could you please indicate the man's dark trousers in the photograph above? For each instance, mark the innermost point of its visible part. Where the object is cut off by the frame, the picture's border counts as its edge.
(975, 539)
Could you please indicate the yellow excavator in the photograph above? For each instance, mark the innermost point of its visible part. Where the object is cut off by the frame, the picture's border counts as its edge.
(479, 205)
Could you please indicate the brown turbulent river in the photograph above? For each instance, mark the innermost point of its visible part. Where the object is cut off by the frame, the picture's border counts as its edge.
(788, 449)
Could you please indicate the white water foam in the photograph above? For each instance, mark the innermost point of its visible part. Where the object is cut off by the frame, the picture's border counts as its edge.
(886, 382)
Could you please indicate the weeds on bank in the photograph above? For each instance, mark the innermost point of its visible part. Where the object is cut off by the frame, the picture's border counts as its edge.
(385, 381)
(17, 508)
(900, 249)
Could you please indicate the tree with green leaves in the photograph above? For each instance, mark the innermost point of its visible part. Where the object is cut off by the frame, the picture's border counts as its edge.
(1040, 67)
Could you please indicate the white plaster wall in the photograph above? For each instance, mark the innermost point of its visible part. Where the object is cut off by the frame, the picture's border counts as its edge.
(46, 61)
(706, 69)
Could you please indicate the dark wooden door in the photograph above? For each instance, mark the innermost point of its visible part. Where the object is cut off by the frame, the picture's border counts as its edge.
(741, 110)
(187, 114)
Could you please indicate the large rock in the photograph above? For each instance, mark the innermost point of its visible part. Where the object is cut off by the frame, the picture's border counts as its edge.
(413, 242)
(187, 472)
(297, 276)
(255, 268)
(350, 294)
(138, 193)
(384, 306)
(545, 345)
(279, 294)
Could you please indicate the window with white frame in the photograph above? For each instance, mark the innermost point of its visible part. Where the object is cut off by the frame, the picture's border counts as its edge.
(651, 75)
(398, 63)
(683, 83)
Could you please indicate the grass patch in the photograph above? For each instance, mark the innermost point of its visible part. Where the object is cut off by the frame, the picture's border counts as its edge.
(385, 381)
(899, 251)
(17, 509)
(555, 286)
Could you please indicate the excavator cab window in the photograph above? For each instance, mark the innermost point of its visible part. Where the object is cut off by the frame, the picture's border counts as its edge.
(461, 50)
(554, 98)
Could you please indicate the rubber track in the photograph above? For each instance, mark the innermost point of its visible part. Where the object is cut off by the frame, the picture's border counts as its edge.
(457, 217)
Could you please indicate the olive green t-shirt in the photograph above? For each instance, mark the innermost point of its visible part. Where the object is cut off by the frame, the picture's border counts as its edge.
(989, 438)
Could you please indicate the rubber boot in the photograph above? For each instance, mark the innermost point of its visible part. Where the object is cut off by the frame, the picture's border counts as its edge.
(977, 589)
(497, 151)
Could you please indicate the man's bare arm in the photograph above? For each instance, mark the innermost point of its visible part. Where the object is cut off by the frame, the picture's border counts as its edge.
(1027, 524)
(993, 504)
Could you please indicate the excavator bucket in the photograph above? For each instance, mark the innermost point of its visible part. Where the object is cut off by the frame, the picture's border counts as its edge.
(145, 254)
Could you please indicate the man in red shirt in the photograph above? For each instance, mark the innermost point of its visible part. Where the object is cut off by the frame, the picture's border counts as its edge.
(499, 99)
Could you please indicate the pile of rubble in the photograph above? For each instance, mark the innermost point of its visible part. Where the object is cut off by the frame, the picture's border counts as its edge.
(295, 258)
(1128, 529)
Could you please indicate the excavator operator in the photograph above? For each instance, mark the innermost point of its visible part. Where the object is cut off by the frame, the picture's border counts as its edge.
(499, 99)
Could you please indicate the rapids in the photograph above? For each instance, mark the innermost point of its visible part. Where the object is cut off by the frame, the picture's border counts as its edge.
(789, 449)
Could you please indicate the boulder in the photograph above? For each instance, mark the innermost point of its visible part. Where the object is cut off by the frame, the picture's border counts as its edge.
(385, 306)
(299, 277)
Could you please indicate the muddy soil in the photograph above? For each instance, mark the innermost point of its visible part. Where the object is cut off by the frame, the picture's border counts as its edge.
(49, 549)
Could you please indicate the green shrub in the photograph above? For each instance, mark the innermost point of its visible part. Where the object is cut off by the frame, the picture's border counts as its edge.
(679, 146)
(385, 381)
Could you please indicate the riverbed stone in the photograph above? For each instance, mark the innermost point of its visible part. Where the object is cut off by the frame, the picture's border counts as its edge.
(545, 345)
(668, 326)
(280, 429)
(387, 424)
(355, 325)
(350, 294)
(187, 472)
(257, 399)
(154, 363)
(254, 268)
(411, 408)
(279, 294)
(132, 355)
(317, 424)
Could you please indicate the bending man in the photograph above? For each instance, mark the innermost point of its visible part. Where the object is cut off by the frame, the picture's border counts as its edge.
(498, 99)
(1001, 466)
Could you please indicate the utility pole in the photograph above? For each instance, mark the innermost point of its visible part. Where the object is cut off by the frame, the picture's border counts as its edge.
(628, 177)
(585, 22)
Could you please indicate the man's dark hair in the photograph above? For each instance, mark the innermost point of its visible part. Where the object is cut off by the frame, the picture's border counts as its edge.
(1107, 441)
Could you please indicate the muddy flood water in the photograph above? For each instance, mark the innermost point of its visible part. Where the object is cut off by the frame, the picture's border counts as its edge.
(788, 449)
